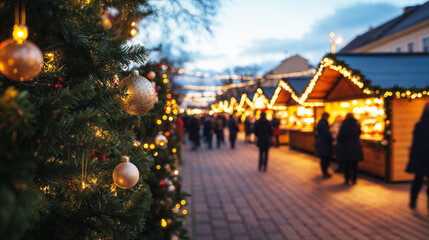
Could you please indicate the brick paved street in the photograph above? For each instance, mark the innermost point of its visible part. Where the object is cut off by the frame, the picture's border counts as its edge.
(232, 200)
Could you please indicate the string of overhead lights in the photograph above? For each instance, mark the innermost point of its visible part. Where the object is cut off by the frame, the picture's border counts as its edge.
(251, 82)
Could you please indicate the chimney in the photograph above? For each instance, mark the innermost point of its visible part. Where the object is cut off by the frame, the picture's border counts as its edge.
(408, 9)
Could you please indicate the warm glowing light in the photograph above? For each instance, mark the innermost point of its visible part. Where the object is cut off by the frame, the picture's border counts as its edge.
(158, 167)
(174, 150)
(345, 104)
(368, 102)
(159, 122)
(170, 118)
(332, 34)
(20, 33)
(183, 202)
(152, 146)
(176, 172)
(164, 75)
(163, 223)
(164, 117)
(177, 206)
(155, 154)
(133, 32)
(145, 145)
(133, 24)
(185, 212)
(354, 102)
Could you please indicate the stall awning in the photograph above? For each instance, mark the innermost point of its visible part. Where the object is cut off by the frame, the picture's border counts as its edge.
(351, 76)
(387, 69)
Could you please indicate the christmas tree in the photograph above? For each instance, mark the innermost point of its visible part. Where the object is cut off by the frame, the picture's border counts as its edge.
(161, 137)
(63, 132)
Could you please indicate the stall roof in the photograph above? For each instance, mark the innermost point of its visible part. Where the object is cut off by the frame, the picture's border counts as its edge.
(298, 84)
(269, 91)
(387, 70)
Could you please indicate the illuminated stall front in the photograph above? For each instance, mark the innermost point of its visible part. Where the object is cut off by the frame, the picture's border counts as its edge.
(284, 97)
(376, 88)
(297, 120)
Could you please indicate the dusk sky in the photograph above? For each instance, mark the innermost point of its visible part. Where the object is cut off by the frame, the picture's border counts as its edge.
(266, 32)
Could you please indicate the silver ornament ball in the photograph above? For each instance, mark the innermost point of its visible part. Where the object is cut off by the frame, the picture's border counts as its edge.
(161, 140)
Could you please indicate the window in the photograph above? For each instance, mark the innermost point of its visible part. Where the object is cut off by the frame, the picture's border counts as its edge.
(425, 44)
(410, 47)
(398, 49)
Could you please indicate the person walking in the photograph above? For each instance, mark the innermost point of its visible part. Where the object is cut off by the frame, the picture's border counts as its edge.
(208, 131)
(247, 129)
(419, 157)
(349, 148)
(276, 129)
(324, 144)
(219, 131)
(194, 132)
(264, 132)
(233, 129)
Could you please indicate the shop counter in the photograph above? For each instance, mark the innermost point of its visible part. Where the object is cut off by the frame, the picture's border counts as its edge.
(302, 140)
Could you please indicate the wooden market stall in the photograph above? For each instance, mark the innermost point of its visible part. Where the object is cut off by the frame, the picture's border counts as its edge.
(285, 105)
(385, 92)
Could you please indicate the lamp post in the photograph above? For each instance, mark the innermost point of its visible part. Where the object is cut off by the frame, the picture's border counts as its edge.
(335, 40)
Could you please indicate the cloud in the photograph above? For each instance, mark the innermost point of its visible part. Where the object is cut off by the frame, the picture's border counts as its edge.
(314, 44)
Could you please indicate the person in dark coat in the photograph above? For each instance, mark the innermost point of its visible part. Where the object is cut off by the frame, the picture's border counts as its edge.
(233, 129)
(194, 132)
(247, 129)
(219, 131)
(349, 148)
(419, 156)
(276, 129)
(208, 131)
(324, 144)
(264, 132)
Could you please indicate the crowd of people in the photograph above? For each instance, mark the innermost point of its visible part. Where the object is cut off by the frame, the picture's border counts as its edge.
(211, 125)
(341, 139)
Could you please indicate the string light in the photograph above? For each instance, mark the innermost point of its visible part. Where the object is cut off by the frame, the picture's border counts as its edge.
(163, 223)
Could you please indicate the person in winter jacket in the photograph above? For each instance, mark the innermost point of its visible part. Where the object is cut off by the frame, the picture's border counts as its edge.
(233, 129)
(324, 144)
(419, 156)
(208, 131)
(264, 133)
(349, 148)
(276, 130)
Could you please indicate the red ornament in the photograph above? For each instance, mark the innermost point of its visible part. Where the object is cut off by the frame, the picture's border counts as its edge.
(159, 65)
(58, 86)
(162, 185)
(101, 157)
(60, 80)
(167, 134)
(164, 108)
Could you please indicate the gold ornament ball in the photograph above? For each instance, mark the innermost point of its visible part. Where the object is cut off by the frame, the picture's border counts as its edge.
(141, 94)
(161, 141)
(151, 75)
(126, 175)
(20, 61)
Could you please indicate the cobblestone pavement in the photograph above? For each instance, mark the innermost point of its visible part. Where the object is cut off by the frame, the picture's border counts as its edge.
(232, 200)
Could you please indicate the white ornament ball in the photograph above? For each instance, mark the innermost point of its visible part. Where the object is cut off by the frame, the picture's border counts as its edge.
(161, 140)
(384, 142)
(151, 75)
(171, 188)
(126, 175)
(141, 94)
